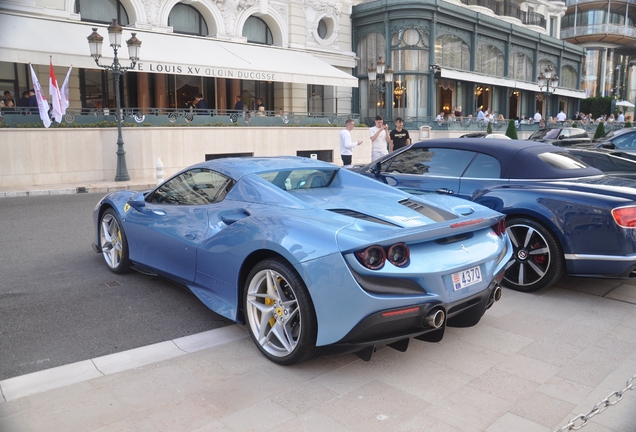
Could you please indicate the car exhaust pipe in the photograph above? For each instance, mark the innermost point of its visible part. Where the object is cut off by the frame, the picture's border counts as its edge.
(435, 319)
(496, 294)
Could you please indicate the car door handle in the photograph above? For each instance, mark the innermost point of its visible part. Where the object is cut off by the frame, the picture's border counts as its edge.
(159, 212)
(444, 191)
(190, 236)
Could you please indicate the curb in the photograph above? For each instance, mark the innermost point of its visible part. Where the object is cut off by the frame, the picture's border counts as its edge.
(70, 190)
(61, 376)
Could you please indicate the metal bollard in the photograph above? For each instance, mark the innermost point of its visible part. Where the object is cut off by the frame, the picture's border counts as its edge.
(159, 171)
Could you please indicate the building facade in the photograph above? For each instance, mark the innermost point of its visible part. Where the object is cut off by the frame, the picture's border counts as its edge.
(293, 55)
(467, 55)
(607, 31)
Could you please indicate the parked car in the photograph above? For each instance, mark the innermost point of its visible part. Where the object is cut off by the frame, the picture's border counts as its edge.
(485, 135)
(612, 133)
(562, 137)
(625, 141)
(563, 216)
(612, 162)
(310, 256)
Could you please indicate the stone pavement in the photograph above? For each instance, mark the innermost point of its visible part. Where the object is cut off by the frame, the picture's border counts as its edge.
(534, 362)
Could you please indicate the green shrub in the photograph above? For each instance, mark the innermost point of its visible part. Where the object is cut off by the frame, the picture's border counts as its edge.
(600, 130)
(511, 132)
(628, 124)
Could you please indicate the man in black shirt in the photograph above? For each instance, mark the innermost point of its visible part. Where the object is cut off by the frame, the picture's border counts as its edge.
(399, 136)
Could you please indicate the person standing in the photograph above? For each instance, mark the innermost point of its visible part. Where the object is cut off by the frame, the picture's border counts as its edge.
(561, 117)
(621, 117)
(23, 102)
(399, 136)
(7, 101)
(200, 103)
(537, 117)
(346, 145)
(379, 135)
(238, 106)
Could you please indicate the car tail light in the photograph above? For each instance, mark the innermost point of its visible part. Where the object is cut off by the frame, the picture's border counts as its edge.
(398, 254)
(625, 216)
(500, 227)
(372, 257)
(467, 223)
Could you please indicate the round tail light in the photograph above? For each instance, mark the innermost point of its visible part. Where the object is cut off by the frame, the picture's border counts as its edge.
(398, 254)
(372, 257)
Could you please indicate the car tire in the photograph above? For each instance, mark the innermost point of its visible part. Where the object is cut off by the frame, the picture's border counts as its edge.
(113, 242)
(537, 261)
(279, 313)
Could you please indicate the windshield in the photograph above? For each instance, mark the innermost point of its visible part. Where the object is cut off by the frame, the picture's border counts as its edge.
(545, 134)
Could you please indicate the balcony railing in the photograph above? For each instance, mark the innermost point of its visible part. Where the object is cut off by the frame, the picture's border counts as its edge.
(508, 8)
(534, 19)
(489, 4)
(600, 29)
(579, 2)
(93, 117)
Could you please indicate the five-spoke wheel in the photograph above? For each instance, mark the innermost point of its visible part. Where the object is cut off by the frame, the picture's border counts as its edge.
(537, 260)
(112, 241)
(279, 313)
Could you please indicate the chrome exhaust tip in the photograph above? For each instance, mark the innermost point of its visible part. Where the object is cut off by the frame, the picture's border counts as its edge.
(435, 319)
(496, 294)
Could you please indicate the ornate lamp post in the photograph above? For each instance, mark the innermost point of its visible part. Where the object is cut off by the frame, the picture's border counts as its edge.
(547, 85)
(380, 77)
(134, 46)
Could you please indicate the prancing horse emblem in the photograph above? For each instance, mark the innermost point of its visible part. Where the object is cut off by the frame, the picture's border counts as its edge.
(465, 248)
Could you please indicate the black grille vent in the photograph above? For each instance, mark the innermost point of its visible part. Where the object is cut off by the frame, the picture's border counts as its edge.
(357, 215)
(436, 214)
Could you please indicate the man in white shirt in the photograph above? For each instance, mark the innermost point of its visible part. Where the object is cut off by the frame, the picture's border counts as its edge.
(537, 117)
(346, 146)
(561, 116)
(379, 135)
(621, 118)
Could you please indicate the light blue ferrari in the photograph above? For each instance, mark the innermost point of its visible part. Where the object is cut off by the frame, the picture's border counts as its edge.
(313, 258)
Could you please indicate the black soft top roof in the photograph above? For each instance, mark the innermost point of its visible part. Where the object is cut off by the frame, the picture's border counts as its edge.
(518, 158)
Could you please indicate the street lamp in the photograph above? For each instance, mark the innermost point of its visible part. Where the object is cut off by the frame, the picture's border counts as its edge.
(134, 46)
(379, 77)
(547, 85)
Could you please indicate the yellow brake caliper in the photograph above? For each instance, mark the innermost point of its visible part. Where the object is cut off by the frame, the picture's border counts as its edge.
(269, 302)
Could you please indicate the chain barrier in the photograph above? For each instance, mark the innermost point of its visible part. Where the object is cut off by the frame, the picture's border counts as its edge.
(612, 399)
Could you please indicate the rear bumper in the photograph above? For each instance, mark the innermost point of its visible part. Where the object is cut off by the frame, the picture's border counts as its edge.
(393, 325)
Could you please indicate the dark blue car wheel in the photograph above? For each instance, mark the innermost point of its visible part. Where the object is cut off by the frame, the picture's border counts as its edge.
(113, 242)
(279, 313)
(537, 261)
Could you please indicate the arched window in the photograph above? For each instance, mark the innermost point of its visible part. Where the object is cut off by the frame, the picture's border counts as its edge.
(186, 19)
(257, 31)
(102, 11)
(489, 60)
(568, 77)
(370, 48)
(452, 51)
(520, 67)
(409, 50)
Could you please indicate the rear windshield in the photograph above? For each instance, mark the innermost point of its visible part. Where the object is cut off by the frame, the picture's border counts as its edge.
(562, 160)
(300, 179)
(545, 134)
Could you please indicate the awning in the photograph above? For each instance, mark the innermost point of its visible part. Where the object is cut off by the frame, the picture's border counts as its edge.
(34, 40)
(506, 82)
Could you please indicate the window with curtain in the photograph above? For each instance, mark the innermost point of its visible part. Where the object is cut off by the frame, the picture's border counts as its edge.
(489, 60)
(257, 31)
(568, 77)
(102, 11)
(452, 51)
(370, 48)
(185, 19)
(520, 67)
(409, 50)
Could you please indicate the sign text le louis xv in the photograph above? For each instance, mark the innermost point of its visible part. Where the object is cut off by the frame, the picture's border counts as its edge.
(204, 71)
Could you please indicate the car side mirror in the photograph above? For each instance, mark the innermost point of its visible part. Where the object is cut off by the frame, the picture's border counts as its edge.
(608, 145)
(377, 169)
(137, 201)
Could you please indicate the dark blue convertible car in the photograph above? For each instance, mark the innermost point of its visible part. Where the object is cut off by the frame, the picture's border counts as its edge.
(562, 215)
(310, 256)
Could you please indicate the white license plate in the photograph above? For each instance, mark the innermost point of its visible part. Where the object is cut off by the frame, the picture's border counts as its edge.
(466, 278)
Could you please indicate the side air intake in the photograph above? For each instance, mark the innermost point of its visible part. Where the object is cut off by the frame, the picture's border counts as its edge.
(436, 214)
(357, 215)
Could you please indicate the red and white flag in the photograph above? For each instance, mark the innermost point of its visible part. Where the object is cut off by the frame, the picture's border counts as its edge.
(43, 104)
(64, 91)
(54, 91)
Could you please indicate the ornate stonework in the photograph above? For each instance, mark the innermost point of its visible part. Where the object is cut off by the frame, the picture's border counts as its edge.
(316, 10)
(151, 7)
